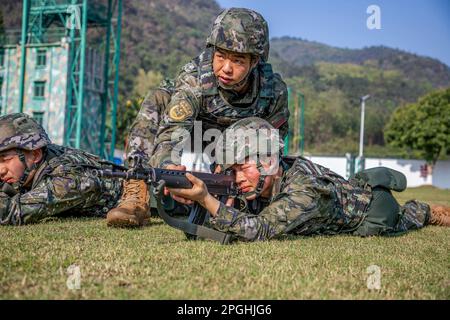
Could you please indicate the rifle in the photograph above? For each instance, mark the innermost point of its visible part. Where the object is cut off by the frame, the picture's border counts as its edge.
(222, 185)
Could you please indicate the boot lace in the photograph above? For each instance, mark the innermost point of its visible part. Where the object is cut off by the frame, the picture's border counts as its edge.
(132, 189)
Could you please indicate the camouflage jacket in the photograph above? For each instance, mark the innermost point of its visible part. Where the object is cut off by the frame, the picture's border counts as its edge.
(62, 184)
(309, 199)
(197, 97)
(141, 139)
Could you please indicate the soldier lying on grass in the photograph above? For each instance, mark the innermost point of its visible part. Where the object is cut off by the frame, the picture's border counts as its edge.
(304, 198)
(40, 180)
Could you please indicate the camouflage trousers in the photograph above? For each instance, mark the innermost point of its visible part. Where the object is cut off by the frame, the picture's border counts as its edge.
(141, 139)
(386, 217)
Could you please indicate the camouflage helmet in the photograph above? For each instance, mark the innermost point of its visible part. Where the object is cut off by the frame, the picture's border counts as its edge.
(19, 130)
(249, 137)
(241, 30)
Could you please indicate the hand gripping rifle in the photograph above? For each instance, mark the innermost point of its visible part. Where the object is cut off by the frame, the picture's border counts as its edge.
(222, 185)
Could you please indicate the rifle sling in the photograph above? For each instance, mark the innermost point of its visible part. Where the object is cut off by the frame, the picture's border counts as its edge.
(191, 228)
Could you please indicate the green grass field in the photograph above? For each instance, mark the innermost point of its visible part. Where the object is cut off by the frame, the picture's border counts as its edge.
(156, 262)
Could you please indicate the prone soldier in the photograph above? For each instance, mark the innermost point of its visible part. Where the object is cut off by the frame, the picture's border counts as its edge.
(300, 197)
(40, 180)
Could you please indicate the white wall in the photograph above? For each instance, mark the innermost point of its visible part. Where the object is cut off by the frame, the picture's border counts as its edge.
(410, 168)
(440, 177)
(336, 164)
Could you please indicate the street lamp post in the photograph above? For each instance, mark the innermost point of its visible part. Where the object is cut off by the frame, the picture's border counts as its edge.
(302, 123)
(360, 160)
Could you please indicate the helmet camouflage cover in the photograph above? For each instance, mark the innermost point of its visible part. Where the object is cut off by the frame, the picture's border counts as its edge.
(249, 137)
(19, 130)
(241, 30)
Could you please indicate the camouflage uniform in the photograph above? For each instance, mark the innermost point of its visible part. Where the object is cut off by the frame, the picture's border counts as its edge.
(313, 200)
(197, 95)
(63, 182)
(145, 127)
(309, 199)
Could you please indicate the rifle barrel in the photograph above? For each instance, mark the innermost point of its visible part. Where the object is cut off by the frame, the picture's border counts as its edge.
(219, 184)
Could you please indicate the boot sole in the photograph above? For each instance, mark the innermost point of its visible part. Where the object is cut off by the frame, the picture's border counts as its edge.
(123, 224)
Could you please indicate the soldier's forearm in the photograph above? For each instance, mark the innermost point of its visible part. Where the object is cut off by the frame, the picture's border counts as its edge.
(4, 208)
(211, 204)
(246, 226)
(53, 196)
(167, 151)
(7, 189)
(9, 213)
(161, 158)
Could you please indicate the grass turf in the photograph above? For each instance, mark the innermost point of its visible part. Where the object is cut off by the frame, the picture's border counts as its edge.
(156, 262)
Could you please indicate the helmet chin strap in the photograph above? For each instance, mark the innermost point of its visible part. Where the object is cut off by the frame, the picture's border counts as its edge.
(235, 86)
(261, 181)
(26, 173)
(259, 185)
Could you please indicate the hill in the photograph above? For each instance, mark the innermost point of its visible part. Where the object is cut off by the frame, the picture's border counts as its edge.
(162, 35)
(333, 79)
(298, 52)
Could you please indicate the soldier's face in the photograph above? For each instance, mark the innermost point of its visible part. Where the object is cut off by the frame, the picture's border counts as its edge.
(11, 168)
(247, 178)
(231, 68)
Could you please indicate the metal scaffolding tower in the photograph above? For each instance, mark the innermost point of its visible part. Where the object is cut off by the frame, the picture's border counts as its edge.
(90, 30)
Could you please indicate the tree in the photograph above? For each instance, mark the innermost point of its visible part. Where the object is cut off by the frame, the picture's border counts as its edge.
(423, 126)
(126, 114)
(146, 81)
(127, 111)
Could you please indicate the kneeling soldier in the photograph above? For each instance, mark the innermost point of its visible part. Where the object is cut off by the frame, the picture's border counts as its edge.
(230, 80)
(40, 180)
(302, 198)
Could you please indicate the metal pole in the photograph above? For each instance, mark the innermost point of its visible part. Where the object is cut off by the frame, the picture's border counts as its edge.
(81, 75)
(302, 124)
(286, 140)
(106, 83)
(26, 7)
(70, 85)
(116, 78)
(361, 133)
(296, 128)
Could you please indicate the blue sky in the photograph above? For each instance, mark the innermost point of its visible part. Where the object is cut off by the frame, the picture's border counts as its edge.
(417, 26)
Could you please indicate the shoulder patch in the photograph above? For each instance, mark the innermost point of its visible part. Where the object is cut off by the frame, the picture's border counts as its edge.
(180, 111)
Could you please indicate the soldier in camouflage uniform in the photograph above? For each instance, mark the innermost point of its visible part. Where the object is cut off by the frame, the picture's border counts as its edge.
(40, 180)
(228, 81)
(303, 198)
